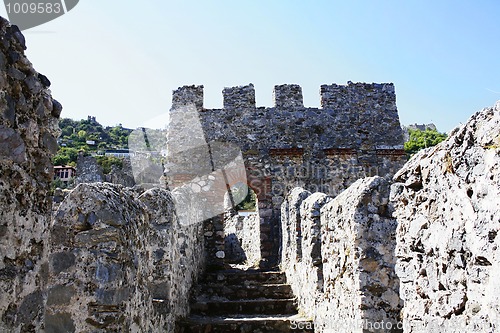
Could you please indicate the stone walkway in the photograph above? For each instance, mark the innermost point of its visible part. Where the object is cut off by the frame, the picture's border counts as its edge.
(237, 300)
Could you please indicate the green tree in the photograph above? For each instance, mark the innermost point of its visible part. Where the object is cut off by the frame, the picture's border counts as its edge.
(67, 130)
(60, 159)
(66, 156)
(57, 183)
(107, 161)
(102, 145)
(422, 139)
(249, 203)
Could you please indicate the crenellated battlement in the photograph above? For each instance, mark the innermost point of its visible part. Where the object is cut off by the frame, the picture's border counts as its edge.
(336, 96)
(289, 96)
(188, 95)
(355, 133)
(357, 116)
(239, 97)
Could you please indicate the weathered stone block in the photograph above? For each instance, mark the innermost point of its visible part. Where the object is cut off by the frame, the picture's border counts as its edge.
(60, 295)
(12, 147)
(133, 254)
(31, 309)
(339, 256)
(188, 95)
(62, 261)
(59, 323)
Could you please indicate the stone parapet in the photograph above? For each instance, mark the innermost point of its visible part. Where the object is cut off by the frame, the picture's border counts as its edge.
(119, 261)
(338, 255)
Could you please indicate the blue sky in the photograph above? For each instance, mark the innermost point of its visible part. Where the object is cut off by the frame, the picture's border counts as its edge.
(120, 60)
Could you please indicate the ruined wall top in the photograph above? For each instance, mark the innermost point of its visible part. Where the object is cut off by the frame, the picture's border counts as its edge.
(188, 95)
(239, 97)
(287, 96)
(360, 116)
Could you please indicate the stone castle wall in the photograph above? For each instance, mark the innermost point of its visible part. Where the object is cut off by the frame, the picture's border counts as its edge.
(242, 239)
(430, 243)
(120, 261)
(114, 259)
(28, 132)
(448, 211)
(355, 134)
(357, 125)
(103, 258)
(338, 255)
(89, 171)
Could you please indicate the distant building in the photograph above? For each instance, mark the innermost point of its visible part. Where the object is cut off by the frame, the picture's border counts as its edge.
(119, 153)
(247, 212)
(147, 154)
(64, 173)
(420, 127)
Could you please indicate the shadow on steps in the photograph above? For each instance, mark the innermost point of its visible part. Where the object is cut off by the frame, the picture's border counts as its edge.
(234, 300)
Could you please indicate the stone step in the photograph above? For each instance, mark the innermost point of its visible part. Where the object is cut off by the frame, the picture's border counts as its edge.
(247, 301)
(258, 306)
(239, 277)
(248, 290)
(245, 324)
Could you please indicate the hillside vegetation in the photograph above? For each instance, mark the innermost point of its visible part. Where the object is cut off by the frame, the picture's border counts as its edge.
(88, 136)
(422, 139)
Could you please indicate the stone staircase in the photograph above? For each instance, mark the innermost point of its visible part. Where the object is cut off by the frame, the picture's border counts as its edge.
(247, 301)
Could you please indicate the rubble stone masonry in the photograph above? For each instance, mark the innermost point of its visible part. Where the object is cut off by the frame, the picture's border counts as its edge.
(358, 252)
(355, 134)
(28, 132)
(448, 211)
